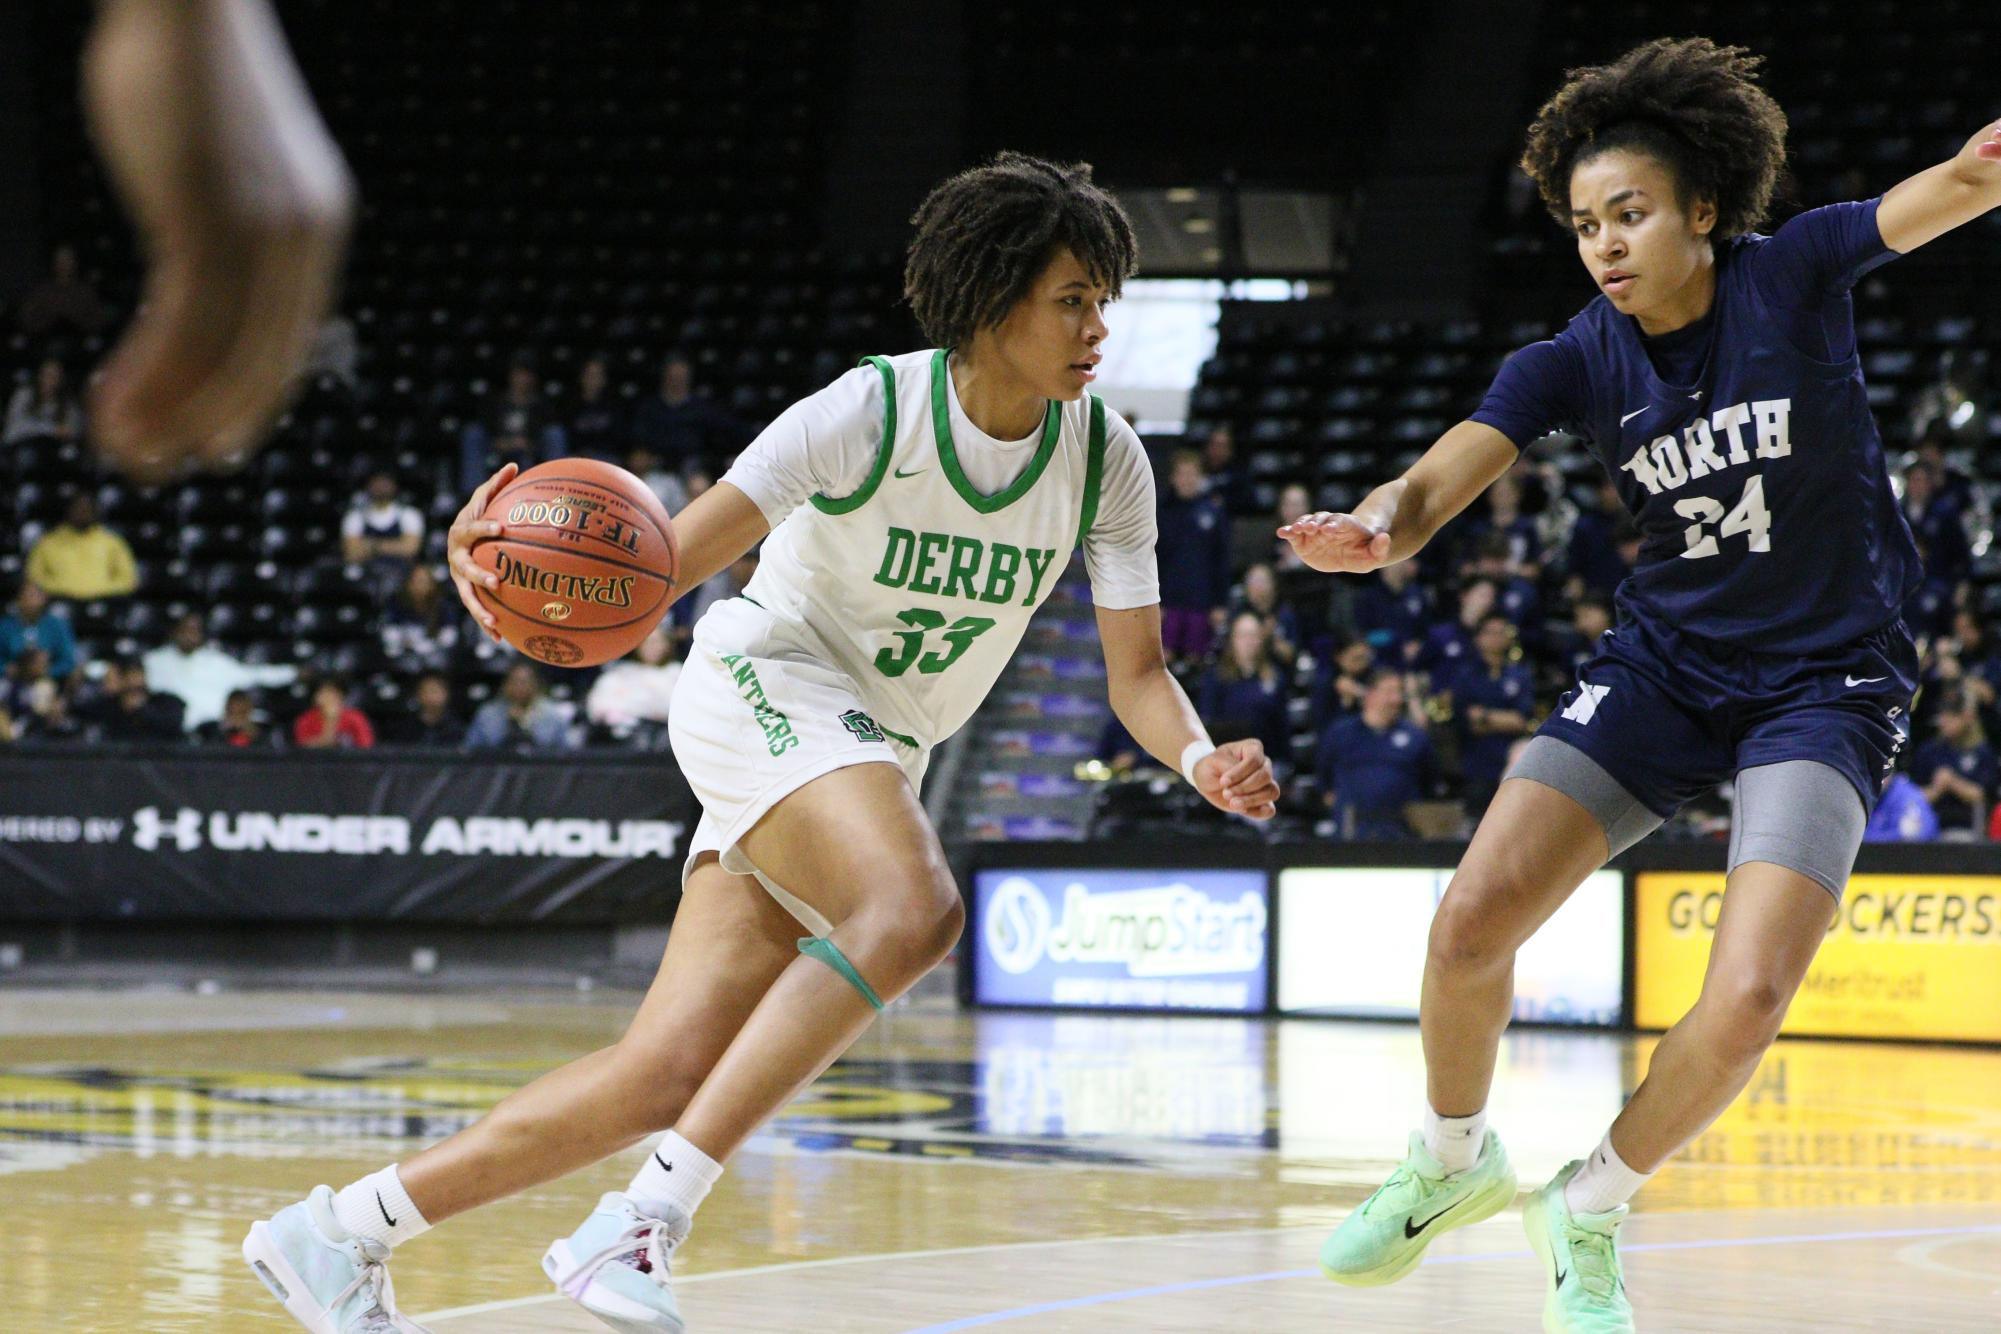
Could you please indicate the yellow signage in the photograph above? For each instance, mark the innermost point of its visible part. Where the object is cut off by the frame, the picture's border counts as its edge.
(1909, 956)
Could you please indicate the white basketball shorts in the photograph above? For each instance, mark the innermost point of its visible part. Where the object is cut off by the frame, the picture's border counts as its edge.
(749, 730)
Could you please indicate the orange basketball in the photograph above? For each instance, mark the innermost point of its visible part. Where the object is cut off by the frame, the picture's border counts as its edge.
(586, 561)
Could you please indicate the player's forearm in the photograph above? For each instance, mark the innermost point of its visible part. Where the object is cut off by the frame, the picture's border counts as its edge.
(1401, 508)
(716, 529)
(1157, 711)
(1923, 207)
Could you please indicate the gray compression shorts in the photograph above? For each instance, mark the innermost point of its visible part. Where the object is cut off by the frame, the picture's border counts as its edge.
(1799, 814)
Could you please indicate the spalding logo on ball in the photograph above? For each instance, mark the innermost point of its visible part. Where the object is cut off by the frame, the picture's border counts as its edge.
(586, 560)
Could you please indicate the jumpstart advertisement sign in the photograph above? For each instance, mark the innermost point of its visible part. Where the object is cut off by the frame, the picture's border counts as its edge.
(1120, 939)
(1353, 941)
(1908, 956)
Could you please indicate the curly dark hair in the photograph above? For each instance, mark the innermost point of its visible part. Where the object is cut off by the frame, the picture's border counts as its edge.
(1691, 104)
(984, 235)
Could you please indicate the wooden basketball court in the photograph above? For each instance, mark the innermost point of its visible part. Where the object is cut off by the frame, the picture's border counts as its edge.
(964, 1171)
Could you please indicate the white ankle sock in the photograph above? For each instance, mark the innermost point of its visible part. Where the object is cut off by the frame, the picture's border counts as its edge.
(676, 1173)
(1603, 1183)
(378, 1207)
(1454, 1140)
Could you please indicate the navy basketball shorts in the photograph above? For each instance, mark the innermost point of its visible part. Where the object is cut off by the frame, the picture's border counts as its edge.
(1668, 716)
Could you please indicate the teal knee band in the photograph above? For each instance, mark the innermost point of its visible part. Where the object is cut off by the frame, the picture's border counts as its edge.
(827, 952)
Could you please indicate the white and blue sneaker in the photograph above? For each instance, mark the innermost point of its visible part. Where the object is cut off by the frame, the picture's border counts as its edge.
(615, 1266)
(330, 1282)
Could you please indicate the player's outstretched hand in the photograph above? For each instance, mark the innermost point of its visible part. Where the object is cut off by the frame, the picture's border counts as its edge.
(1237, 777)
(1337, 543)
(467, 529)
(242, 206)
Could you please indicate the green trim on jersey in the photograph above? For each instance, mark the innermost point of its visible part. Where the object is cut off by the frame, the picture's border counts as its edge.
(941, 426)
(850, 503)
(1094, 469)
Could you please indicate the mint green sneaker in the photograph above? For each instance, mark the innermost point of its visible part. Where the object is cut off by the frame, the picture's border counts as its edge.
(328, 1281)
(615, 1266)
(1587, 1290)
(1385, 1237)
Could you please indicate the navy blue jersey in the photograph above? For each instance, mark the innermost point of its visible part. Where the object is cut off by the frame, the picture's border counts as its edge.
(1374, 774)
(1743, 445)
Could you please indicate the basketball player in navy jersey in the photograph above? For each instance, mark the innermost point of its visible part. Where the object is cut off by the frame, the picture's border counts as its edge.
(1759, 637)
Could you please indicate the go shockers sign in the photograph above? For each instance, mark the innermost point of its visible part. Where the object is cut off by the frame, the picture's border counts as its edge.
(418, 837)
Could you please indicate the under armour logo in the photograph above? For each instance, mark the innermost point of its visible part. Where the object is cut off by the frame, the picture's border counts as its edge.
(184, 829)
(1585, 705)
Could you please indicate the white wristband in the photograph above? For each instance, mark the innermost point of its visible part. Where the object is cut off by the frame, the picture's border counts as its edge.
(1193, 754)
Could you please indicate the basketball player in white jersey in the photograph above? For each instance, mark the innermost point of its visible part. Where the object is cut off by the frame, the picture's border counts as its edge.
(918, 510)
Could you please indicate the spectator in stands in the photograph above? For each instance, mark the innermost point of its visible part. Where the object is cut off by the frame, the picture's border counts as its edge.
(202, 675)
(31, 623)
(1954, 485)
(44, 410)
(1574, 644)
(631, 696)
(1243, 693)
(1373, 763)
(1902, 814)
(382, 532)
(431, 720)
(333, 722)
(520, 717)
(664, 483)
(1194, 557)
(63, 302)
(81, 558)
(1493, 697)
(1965, 660)
(1397, 607)
(596, 424)
(1950, 404)
(1956, 769)
(1501, 515)
(1597, 567)
(1515, 595)
(1353, 667)
(30, 696)
(1936, 522)
(125, 708)
(515, 428)
(1449, 644)
(684, 428)
(1260, 598)
(1294, 503)
(1227, 480)
(698, 480)
(421, 626)
(240, 727)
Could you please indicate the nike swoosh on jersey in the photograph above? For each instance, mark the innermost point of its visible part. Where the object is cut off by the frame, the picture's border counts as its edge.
(912, 473)
(1854, 681)
(1634, 413)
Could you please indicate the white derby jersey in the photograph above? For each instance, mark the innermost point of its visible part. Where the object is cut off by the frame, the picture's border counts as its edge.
(917, 584)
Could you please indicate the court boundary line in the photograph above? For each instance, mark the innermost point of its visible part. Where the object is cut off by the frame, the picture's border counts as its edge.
(882, 1257)
(1197, 1285)
(1194, 1285)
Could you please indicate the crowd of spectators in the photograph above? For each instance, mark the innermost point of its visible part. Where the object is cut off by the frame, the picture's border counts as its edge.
(1395, 702)
(192, 686)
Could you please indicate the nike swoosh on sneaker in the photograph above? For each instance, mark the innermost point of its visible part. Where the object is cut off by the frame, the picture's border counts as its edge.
(1410, 1232)
(1854, 681)
(1634, 413)
(1561, 1275)
(384, 1208)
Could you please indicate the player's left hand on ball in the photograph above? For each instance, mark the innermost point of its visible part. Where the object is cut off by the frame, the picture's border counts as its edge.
(469, 529)
(242, 205)
(1237, 778)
